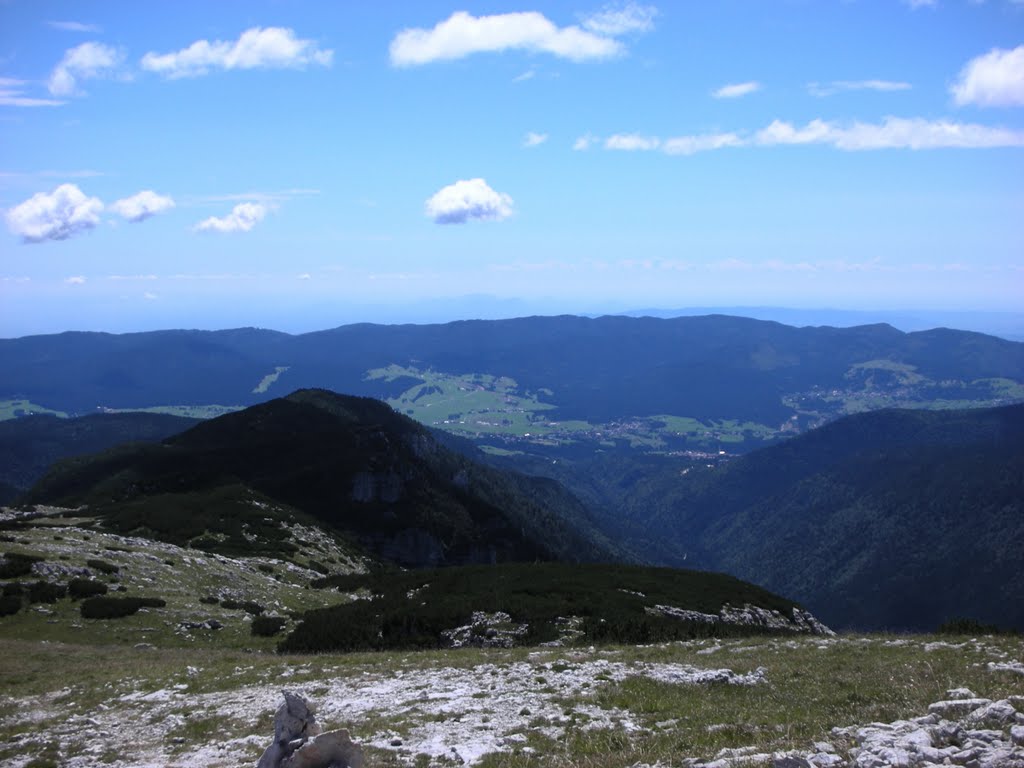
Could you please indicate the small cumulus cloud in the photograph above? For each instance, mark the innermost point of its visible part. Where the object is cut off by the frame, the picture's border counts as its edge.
(150, 296)
(995, 79)
(142, 205)
(615, 20)
(87, 61)
(304, 276)
(243, 217)
(463, 34)
(915, 4)
(736, 90)
(468, 200)
(75, 280)
(256, 48)
(12, 94)
(58, 215)
(527, 75)
(534, 139)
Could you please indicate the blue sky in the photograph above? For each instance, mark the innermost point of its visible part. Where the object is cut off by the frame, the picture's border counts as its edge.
(302, 164)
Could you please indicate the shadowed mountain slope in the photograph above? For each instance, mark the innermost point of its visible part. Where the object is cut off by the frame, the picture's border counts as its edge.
(353, 464)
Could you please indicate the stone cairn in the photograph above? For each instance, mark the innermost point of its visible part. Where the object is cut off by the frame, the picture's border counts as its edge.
(298, 742)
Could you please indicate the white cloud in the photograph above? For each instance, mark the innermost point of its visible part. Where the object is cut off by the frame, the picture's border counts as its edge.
(527, 75)
(735, 90)
(463, 34)
(12, 95)
(142, 205)
(242, 218)
(615, 20)
(74, 26)
(995, 79)
(256, 48)
(468, 200)
(836, 86)
(534, 139)
(915, 4)
(83, 62)
(690, 145)
(75, 280)
(150, 296)
(891, 133)
(61, 214)
(631, 142)
(585, 142)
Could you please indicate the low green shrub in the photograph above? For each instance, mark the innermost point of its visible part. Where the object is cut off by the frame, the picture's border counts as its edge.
(243, 605)
(267, 626)
(15, 564)
(102, 566)
(117, 607)
(46, 592)
(209, 600)
(82, 588)
(9, 605)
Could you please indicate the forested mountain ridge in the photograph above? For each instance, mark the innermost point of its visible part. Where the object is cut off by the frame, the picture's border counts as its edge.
(351, 463)
(894, 519)
(647, 381)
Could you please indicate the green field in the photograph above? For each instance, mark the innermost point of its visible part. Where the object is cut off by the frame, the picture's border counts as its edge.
(188, 411)
(13, 409)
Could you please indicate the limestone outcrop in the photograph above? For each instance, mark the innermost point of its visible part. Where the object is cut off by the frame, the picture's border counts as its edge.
(299, 743)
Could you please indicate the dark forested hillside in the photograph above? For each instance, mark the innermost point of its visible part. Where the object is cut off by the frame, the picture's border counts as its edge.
(894, 519)
(31, 444)
(351, 463)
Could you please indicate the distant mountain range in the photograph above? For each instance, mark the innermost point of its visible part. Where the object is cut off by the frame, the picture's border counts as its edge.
(724, 382)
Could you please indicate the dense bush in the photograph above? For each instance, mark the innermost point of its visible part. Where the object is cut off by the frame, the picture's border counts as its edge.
(15, 564)
(45, 592)
(611, 601)
(964, 626)
(243, 605)
(209, 600)
(102, 566)
(267, 626)
(14, 589)
(80, 588)
(117, 607)
(9, 605)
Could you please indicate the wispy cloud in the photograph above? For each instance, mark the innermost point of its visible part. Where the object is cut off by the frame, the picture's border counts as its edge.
(915, 4)
(614, 20)
(468, 200)
(839, 86)
(75, 280)
(534, 139)
(74, 26)
(890, 133)
(243, 217)
(463, 34)
(12, 95)
(736, 90)
(585, 142)
(256, 48)
(631, 142)
(58, 215)
(142, 205)
(87, 61)
(995, 79)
